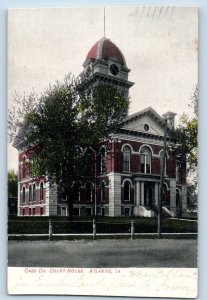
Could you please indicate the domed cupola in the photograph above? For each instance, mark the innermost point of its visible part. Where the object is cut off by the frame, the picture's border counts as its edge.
(105, 64)
(105, 49)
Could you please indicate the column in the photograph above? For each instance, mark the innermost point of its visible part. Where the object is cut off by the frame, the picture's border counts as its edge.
(147, 195)
(156, 193)
(138, 193)
(142, 193)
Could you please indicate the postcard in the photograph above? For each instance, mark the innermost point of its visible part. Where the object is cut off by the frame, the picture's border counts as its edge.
(102, 151)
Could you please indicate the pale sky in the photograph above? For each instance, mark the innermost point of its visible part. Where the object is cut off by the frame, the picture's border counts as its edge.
(160, 45)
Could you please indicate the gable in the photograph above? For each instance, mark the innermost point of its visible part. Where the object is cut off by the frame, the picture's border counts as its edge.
(142, 123)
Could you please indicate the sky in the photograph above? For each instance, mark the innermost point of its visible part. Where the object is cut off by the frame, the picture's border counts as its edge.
(160, 45)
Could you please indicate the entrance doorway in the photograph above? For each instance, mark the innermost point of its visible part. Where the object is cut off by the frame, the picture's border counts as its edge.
(149, 191)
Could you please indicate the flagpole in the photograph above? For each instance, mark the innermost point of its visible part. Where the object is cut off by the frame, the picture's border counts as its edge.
(104, 21)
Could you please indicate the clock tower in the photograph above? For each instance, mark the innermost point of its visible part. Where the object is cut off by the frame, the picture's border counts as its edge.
(105, 64)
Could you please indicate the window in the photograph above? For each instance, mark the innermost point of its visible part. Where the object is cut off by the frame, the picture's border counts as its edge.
(34, 193)
(30, 193)
(126, 159)
(30, 211)
(103, 160)
(41, 192)
(161, 160)
(89, 191)
(145, 160)
(23, 195)
(127, 191)
(102, 192)
(146, 127)
(33, 212)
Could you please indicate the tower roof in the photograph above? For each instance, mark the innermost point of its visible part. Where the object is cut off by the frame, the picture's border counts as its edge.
(105, 49)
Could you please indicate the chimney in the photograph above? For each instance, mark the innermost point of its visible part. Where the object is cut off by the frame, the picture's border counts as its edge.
(170, 117)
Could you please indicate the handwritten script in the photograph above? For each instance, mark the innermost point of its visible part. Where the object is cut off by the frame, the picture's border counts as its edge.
(143, 282)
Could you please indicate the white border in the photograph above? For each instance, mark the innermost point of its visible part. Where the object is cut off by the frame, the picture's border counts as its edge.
(202, 123)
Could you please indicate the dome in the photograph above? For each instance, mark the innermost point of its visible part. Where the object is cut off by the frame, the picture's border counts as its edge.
(105, 49)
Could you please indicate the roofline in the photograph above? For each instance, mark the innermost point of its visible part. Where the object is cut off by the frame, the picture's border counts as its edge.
(139, 113)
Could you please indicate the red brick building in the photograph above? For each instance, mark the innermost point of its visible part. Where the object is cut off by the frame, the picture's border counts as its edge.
(127, 167)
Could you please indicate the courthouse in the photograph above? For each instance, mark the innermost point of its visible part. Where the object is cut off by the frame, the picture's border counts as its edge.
(128, 170)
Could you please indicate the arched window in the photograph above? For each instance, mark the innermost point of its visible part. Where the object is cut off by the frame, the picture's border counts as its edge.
(127, 191)
(23, 195)
(88, 191)
(161, 161)
(102, 192)
(30, 193)
(126, 158)
(76, 191)
(34, 193)
(145, 160)
(41, 192)
(103, 160)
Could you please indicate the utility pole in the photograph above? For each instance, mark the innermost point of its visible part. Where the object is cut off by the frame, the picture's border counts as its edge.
(159, 217)
(95, 175)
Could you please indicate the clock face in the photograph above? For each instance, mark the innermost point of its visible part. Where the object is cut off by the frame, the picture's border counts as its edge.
(114, 69)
